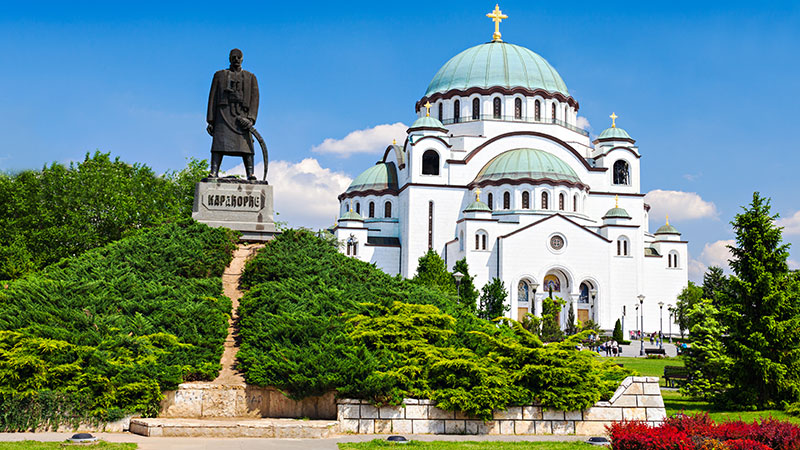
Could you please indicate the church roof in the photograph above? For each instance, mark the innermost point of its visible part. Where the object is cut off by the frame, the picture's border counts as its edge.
(527, 163)
(378, 177)
(351, 215)
(614, 133)
(667, 229)
(497, 63)
(427, 122)
(478, 206)
(617, 213)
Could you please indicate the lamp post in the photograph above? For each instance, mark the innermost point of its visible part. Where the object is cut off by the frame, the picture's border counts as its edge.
(458, 276)
(671, 310)
(534, 286)
(623, 321)
(660, 324)
(593, 293)
(636, 323)
(641, 303)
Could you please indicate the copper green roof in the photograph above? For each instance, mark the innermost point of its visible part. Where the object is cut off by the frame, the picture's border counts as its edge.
(478, 206)
(527, 163)
(351, 215)
(378, 177)
(667, 229)
(614, 133)
(617, 213)
(497, 64)
(427, 122)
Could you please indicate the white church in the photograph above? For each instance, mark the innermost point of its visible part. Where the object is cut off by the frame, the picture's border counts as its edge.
(496, 170)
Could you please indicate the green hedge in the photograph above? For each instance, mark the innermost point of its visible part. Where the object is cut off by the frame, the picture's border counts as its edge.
(315, 320)
(110, 329)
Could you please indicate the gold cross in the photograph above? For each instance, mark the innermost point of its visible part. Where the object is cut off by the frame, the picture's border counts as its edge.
(613, 120)
(427, 106)
(478, 194)
(394, 141)
(497, 16)
(616, 201)
(667, 219)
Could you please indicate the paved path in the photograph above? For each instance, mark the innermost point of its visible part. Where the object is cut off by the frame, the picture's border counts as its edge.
(174, 443)
(635, 346)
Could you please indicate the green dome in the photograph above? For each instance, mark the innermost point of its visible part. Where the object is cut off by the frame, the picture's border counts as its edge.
(524, 163)
(351, 215)
(378, 177)
(667, 229)
(497, 64)
(614, 133)
(478, 206)
(617, 213)
(427, 122)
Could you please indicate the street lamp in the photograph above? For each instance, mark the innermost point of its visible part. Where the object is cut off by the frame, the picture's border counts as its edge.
(671, 310)
(458, 276)
(593, 293)
(623, 321)
(636, 323)
(641, 303)
(534, 286)
(660, 324)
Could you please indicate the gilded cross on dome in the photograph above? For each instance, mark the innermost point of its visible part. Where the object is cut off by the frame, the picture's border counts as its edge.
(427, 106)
(497, 16)
(613, 120)
(478, 194)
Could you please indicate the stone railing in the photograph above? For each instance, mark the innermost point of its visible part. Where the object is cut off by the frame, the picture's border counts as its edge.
(637, 398)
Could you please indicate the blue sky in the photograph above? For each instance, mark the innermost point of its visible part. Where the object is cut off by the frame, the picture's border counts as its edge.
(709, 90)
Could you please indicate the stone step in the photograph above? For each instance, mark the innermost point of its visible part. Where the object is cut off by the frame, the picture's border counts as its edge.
(235, 428)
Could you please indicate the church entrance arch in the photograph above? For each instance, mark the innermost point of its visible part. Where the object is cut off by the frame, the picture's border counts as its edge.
(557, 283)
(526, 297)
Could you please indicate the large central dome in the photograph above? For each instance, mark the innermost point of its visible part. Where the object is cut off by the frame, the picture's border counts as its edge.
(497, 63)
(527, 164)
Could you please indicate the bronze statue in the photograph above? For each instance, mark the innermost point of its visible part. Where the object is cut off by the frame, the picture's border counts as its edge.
(232, 112)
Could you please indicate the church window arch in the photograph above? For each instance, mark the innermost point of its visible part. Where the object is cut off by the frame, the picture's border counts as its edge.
(537, 111)
(545, 200)
(566, 113)
(526, 200)
(672, 259)
(575, 202)
(518, 108)
(346, 206)
(476, 108)
(622, 172)
(497, 108)
(561, 202)
(506, 200)
(371, 209)
(456, 111)
(352, 246)
(553, 111)
(524, 291)
(490, 201)
(387, 209)
(583, 296)
(430, 162)
(481, 240)
(358, 208)
(622, 246)
(441, 111)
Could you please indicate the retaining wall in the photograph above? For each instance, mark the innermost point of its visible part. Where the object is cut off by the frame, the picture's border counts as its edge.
(637, 398)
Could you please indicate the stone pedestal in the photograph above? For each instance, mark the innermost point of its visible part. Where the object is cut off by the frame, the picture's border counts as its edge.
(244, 206)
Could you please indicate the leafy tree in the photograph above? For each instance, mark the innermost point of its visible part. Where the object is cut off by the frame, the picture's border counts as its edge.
(617, 334)
(690, 296)
(572, 327)
(493, 300)
(714, 282)
(706, 359)
(468, 294)
(432, 272)
(551, 329)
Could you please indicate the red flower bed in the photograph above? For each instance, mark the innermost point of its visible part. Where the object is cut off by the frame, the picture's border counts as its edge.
(701, 433)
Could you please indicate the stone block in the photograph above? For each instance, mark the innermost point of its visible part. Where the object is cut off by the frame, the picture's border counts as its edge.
(635, 389)
(348, 401)
(634, 414)
(425, 401)
(640, 379)
(219, 403)
(461, 416)
(524, 427)
(532, 413)
(366, 426)
(348, 412)
(653, 380)
(656, 414)
(506, 427)
(544, 427)
(492, 427)
(553, 415)
(436, 413)
(474, 427)
(383, 426)
(401, 426)
(650, 401)
(369, 412)
(455, 427)
(239, 205)
(603, 404)
(416, 411)
(425, 426)
(512, 413)
(573, 415)
(626, 382)
(604, 414)
(652, 389)
(563, 427)
(591, 428)
(348, 425)
(391, 412)
(626, 401)
(410, 401)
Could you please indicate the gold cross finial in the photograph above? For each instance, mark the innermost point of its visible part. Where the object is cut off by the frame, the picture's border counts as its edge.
(497, 16)
(478, 195)
(667, 219)
(616, 201)
(394, 141)
(613, 120)
(427, 106)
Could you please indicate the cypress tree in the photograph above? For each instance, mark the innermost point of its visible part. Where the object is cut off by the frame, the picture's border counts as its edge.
(468, 294)
(493, 300)
(432, 272)
(617, 334)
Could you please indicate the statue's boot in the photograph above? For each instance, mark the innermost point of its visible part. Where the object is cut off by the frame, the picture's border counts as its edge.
(249, 167)
(216, 161)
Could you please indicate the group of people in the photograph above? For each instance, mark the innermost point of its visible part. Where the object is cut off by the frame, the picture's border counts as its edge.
(611, 348)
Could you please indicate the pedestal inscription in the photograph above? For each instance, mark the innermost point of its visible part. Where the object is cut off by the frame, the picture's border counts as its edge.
(244, 206)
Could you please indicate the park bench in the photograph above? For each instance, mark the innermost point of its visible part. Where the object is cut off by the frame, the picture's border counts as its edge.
(655, 351)
(675, 375)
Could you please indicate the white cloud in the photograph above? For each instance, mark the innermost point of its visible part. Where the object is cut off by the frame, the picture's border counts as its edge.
(793, 265)
(791, 225)
(692, 176)
(696, 270)
(679, 205)
(713, 254)
(305, 193)
(583, 123)
(368, 140)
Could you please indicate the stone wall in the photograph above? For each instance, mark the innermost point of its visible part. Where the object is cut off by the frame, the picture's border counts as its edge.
(637, 398)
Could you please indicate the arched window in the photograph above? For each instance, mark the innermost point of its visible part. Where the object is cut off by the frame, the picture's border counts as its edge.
(358, 208)
(346, 206)
(537, 111)
(622, 246)
(441, 109)
(523, 292)
(430, 163)
(481, 239)
(518, 108)
(506, 200)
(430, 225)
(461, 240)
(545, 200)
(584, 293)
(561, 201)
(554, 112)
(622, 173)
(497, 110)
(566, 113)
(476, 108)
(672, 260)
(575, 203)
(526, 200)
(457, 111)
(352, 246)
(387, 209)
(490, 201)
(372, 209)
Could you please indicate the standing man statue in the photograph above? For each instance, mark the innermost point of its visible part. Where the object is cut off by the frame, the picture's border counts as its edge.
(232, 112)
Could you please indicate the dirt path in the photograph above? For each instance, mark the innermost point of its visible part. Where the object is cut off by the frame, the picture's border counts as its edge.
(230, 286)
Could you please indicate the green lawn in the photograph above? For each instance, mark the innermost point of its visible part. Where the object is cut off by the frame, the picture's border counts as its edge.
(36, 445)
(648, 367)
(675, 403)
(450, 445)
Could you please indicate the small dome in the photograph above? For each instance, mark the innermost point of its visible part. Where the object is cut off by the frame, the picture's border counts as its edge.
(478, 206)
(378, 177)
(427, 122)
(617, 213)
(497, 63)
(527, 163)
(351, 215)
(667, 229)
(614, 133)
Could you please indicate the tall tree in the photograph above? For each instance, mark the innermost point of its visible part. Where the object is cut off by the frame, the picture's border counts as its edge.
(714, 281)
(551, 329)
(432, 272)
(690, 296)
(467, 292)
(493, 300)
(617, 334)
(571, 327)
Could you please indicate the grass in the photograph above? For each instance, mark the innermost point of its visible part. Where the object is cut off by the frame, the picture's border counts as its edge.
(676, 403)
(453, 445)
(648, 367)
(36, 445)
